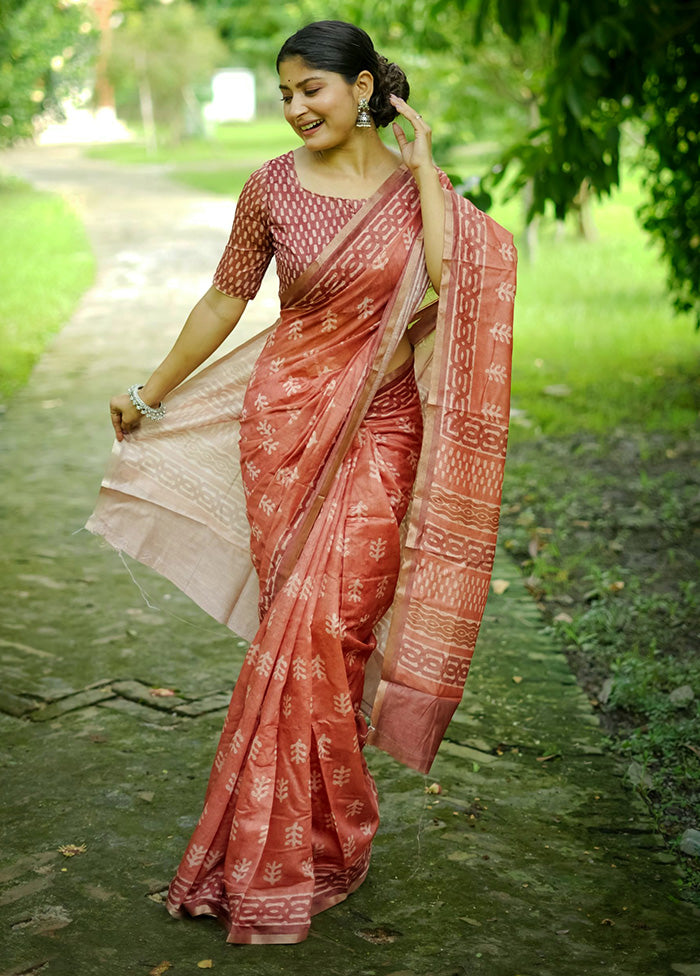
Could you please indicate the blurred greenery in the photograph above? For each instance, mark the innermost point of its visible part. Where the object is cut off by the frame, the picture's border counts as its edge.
(46, 49)
(156, 59)
(46, 266)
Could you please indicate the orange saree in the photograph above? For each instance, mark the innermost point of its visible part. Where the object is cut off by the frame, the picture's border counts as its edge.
(329, 445)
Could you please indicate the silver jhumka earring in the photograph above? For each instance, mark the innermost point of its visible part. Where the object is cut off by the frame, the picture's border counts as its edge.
(364, 119)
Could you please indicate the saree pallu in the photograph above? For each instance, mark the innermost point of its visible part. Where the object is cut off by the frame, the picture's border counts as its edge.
(329, 444)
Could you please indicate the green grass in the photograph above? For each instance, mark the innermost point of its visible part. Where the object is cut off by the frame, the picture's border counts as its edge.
(219, 164)
(46, 266)
(593, 323)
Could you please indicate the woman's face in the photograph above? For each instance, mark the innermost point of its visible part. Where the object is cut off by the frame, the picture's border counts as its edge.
(321, 106)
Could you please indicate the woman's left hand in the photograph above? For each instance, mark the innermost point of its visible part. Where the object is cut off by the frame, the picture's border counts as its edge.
(418, 154)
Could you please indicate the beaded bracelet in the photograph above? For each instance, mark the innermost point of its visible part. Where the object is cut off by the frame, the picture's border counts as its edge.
(153, 413)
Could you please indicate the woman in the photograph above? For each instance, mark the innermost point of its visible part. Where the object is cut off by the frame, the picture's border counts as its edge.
(326, 413)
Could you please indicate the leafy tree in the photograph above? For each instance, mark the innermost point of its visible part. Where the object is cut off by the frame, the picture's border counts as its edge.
(45, 49)
(615, 61)
(159, 55)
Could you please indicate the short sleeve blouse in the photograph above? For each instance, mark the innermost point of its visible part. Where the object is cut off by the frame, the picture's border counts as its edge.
(276, 215)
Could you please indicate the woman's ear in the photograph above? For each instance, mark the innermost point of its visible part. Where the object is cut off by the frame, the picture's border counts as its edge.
(364, 85)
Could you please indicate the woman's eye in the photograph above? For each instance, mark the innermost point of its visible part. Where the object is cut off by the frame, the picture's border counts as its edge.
(314, 92)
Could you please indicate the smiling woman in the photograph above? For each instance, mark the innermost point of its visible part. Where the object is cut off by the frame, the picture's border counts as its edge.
(274, 489)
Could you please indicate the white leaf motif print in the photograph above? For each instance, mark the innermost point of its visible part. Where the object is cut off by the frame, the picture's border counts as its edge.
(377, 548)
(355, 808)
(499, 374)
(355, 590)
(501, 332)
(341, 775)
(506, 291)
(261, 787)
(492, 411)
(280, 672)
(241, 867)
(293, 835)
(263, 665)
(342, 703)
(335, 626)
(272, 872)
(365, 307)
(195, 855)
(299, 752)
(323, 744)
(330, 322)
(267, 505)
(507, 251)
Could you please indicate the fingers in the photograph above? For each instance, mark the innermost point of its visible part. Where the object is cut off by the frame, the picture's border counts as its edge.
(403, 108)
(116, 417)
(400, 135)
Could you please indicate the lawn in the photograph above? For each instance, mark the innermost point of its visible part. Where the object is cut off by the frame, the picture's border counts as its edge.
(46, 266)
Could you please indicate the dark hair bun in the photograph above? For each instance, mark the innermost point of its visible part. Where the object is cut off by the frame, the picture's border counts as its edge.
(390, 80)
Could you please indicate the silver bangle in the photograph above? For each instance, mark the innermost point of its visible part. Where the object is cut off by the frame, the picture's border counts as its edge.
(153, 413)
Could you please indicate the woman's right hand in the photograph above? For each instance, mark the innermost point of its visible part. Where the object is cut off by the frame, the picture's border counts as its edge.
(125, 417)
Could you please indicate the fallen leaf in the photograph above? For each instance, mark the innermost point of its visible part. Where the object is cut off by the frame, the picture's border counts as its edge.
(70, 850)
(607, 921)
(616, 586)
(693, 749)
(517, 678)
(205, 964)
(433, 788)
(162, 692)
(499, 586)
(553, 755)
(161, 968)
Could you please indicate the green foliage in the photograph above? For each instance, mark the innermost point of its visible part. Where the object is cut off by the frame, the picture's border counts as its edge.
(614, 61)
(671, 161)
(46, 266)
(45, 48)
(161, 54)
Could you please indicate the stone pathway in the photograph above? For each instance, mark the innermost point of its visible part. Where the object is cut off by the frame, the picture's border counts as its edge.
(535, 859)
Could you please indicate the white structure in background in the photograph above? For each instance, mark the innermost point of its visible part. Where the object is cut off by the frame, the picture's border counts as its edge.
(233, 91)
(82, 125)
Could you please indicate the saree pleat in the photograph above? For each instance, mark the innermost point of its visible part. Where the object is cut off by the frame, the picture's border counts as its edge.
(291, 809)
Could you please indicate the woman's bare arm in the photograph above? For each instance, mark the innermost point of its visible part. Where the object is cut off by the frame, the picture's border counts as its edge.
(211, 320)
